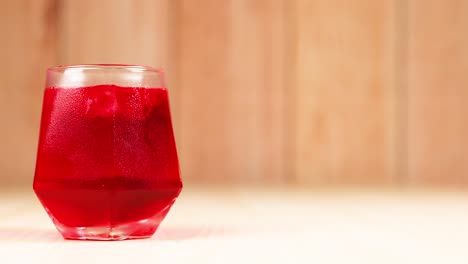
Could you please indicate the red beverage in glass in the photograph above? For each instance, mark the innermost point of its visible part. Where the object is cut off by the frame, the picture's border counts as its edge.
(107, 165)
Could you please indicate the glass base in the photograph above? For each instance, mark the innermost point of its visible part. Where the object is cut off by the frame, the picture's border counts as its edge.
(82, 219)
(138, 230)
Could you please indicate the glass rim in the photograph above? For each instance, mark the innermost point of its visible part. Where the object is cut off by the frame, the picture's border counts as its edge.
(101, 66)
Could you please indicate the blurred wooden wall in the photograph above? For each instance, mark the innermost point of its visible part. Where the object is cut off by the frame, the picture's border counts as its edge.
(264, 91)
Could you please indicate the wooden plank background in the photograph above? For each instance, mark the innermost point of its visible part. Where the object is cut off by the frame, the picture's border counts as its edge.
(232, 90)
(263, 92)
(345, 108)
(28, 47)
(438, 94)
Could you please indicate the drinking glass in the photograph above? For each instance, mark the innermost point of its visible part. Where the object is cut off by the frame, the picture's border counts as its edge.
(107, 166)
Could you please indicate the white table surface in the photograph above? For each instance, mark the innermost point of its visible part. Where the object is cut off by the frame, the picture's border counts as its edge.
(242, 225)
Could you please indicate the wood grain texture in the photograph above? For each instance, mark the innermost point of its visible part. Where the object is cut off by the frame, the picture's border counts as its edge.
(203, 82)
(28, 47)
(267, 91)
(345, 97)
(438, 95)
(258, 90)
(232, 90)
(115, 31)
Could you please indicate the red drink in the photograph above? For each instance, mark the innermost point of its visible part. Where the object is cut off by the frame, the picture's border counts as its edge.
(107, 165)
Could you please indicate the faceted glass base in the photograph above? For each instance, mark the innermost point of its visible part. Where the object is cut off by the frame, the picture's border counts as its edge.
(136, 230)
(107, 214)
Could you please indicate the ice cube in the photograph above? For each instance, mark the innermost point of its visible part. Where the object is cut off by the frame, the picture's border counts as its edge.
(101, 101)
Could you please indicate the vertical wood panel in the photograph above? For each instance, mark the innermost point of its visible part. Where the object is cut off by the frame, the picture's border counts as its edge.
(438, 95)
(204, 44)
(257, 95)
(27, 48)
(232, 90)
(115, 31)
(345, 102)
